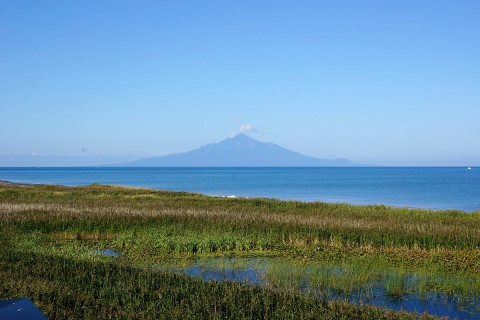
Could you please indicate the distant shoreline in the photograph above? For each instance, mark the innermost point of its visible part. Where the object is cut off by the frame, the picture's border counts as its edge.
(10, 183)
(431, 188)
(6, 183)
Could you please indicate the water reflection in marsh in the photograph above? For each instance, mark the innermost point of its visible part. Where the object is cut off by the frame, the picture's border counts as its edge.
(356, 284)
(108, 252)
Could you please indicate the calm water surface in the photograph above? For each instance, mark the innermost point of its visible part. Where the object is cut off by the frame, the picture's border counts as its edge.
(432, 188)
(262, 271)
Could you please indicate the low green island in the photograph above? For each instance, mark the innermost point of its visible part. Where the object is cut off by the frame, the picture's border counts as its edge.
(112, 252)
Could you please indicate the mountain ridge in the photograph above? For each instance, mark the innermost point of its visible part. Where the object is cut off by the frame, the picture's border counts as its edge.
(238, 151)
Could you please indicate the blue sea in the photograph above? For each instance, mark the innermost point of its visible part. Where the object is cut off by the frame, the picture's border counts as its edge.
(423, 187)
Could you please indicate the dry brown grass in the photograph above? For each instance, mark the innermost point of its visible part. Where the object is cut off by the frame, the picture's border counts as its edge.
(46, 211)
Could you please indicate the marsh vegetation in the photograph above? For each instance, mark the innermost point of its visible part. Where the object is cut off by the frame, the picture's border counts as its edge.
(112, 252)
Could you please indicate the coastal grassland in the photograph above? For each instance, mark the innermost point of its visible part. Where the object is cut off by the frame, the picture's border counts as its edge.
(100, 209)
(61, 228)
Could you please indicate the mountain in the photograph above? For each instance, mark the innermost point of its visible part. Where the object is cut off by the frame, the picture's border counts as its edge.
(239, 151)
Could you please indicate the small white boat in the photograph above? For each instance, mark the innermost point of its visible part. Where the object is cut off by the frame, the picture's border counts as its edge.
(468, 168)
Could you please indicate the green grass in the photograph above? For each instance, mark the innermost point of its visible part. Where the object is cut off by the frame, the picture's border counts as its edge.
(111, 209)
(62, 227)
(72, 289)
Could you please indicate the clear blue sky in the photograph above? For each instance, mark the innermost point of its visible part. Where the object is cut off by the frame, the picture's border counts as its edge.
(378, 82)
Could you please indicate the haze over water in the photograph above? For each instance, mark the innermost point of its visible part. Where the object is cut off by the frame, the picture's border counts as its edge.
(422, 187)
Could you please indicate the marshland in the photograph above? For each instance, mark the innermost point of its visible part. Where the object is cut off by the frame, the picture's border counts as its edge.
(112, 252)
